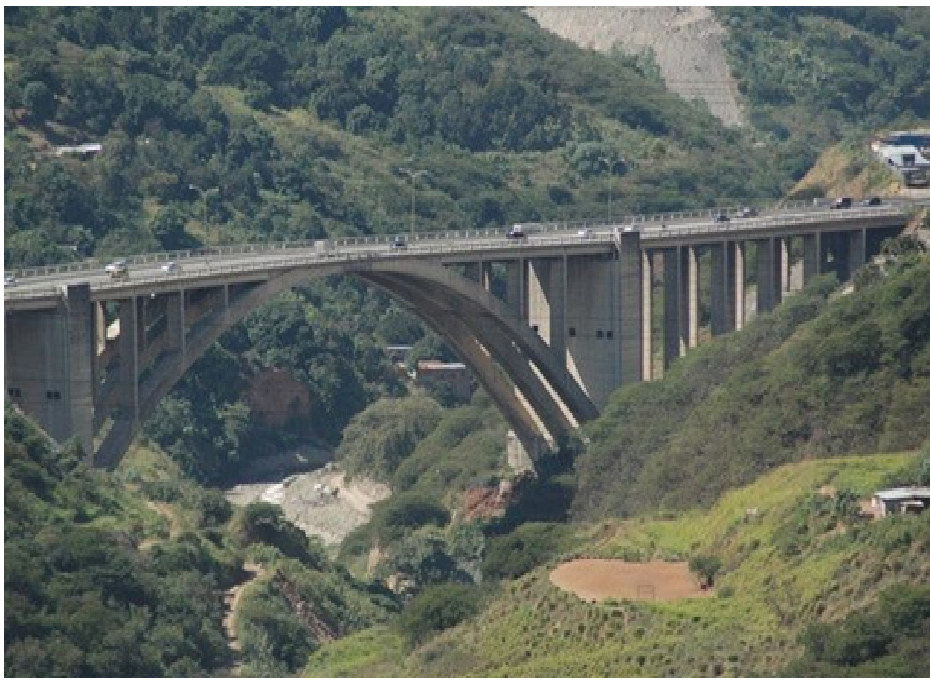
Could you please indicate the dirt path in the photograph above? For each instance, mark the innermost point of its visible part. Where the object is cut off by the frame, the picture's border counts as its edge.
(659, 581)
(231, 601)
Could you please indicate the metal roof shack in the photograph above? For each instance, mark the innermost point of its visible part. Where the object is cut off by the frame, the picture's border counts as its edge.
(907, 499)
(83, 150)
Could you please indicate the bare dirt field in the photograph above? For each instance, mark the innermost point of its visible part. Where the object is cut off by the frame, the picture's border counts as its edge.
(654, 581)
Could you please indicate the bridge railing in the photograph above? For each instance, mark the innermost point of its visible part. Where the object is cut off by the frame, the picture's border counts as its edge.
(812, 213)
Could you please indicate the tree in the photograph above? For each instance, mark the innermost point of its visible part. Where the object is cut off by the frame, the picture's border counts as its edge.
(705, 566)
(39, 101)
(435, 609)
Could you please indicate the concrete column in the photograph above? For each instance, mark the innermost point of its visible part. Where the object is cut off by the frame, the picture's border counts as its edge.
(721, 293)
(100, 329)
(141, 320)
(811, 264)
(129, 359)
(516, 288)
(177, 338)
(690, 306)
(593, 356)
(646, 324)
(739, 283)
(671, 263)
(765, 279)
(81, 366)
(856, 251)
(634, 265)
(785, 264)
(486, 276)
(546, 302)
(776, 272)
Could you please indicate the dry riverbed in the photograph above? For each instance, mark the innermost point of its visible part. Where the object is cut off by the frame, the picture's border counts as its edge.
(320, 502)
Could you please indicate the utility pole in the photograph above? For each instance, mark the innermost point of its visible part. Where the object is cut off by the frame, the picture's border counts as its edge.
(413, 174)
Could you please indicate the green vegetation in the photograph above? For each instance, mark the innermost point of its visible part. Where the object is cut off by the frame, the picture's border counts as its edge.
(891, 640)
(377, 440)
(816, 74)
(792, 385)
(525, 548)
(84, 595)
(435, 609)
(765, 601)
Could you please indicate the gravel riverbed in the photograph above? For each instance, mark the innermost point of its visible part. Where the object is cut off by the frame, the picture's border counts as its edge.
(320, 502)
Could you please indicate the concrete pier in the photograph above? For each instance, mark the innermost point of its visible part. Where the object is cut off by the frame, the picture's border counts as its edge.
(635, 345)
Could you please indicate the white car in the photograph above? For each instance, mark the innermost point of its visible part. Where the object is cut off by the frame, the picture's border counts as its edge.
(170, 268)
(9, 280)
(118, 269)
(584, 233)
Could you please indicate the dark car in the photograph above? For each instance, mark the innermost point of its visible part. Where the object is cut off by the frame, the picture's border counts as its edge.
(721, 218)
(399, 242)
(874, 200)
(516, 232)
(842, 202)
(748, 212)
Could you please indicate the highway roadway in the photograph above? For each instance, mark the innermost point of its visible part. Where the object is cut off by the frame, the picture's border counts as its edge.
(263, 259)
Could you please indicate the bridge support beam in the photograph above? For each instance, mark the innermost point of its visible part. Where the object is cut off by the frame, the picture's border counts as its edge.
(516, 286)
(768, 274)
(671, 264)
(51, 366)
(646, 330)
(721, 293)
(176, 326)
(856, 250)
(635, 270)
(812, 257)
(129, 360)
(546, 286)
(591, 309)
(689, 298)
(785, 244)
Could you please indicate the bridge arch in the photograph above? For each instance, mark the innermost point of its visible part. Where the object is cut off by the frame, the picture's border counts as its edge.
(537, 395)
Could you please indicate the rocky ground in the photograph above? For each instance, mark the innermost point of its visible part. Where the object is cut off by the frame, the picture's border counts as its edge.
(687, 43)
(320, 502)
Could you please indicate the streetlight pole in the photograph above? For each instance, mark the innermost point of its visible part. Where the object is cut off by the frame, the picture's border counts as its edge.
(610, 172)
(413, 174)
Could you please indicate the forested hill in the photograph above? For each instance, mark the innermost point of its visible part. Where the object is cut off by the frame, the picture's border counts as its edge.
(231, 124)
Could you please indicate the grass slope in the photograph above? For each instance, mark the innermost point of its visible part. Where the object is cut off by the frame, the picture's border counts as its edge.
(767, 591)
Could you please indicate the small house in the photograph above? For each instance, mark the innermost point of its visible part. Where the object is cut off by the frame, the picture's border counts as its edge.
(902, 500)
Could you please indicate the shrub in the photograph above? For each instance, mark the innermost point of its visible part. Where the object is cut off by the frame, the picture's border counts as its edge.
(435, 609)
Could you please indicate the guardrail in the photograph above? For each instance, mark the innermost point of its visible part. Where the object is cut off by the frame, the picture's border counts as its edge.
(435, 243)
(533, 227)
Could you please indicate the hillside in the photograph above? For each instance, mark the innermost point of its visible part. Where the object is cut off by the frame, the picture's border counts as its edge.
(797, 558)
(126, 574)
(820, 376)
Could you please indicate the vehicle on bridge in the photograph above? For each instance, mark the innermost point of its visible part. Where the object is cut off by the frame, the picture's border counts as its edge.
(9, 280)
(874, 200)
(171, 268)
(584, 233)
(118, 269)
(842, 202)
(721, 218)
(748, 212)
(399, 242)
(516, 231)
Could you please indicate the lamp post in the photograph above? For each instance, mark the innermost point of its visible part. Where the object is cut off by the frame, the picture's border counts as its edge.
(413, 174)
(611, 164)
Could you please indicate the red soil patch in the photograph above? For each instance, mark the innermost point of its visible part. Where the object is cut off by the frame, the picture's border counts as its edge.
(600, 579)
